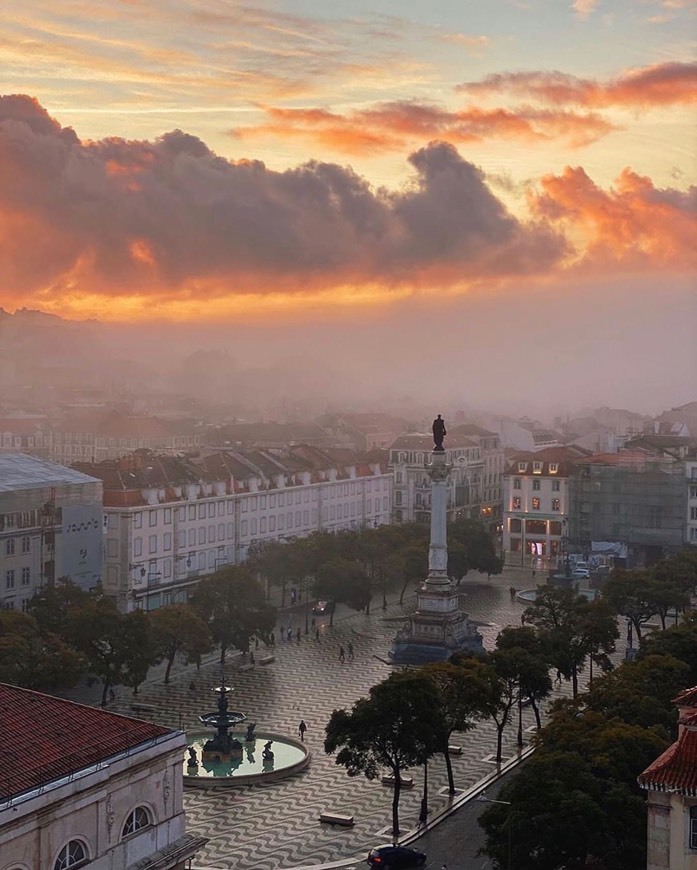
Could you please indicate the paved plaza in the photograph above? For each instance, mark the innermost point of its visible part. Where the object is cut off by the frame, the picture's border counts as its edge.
(276, 825)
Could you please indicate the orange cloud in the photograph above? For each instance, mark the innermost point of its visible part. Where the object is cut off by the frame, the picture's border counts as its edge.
(170, 225)
(397, 125)
(632, 225)
(664, 84)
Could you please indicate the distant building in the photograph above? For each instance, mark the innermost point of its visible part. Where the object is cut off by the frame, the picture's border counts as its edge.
(671, 786)
(493, 458)
(691, 513)
(172, 520)
(25, 435)
(363, 432)
(409, 455)
(51, 522)
(265, 436)
(99, 435)
(635, 497)
(536, 502)
(88, 788)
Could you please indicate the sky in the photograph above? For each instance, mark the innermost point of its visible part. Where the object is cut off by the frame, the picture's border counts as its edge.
(516, 173)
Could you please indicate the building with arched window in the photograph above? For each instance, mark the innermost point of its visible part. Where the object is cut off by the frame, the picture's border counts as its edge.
(88, 788)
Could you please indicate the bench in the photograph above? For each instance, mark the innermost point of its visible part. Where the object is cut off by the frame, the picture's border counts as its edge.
(332, 818)
(407, 781)
(144, 708)
(266, 660)
(454, 750)
(246, 667)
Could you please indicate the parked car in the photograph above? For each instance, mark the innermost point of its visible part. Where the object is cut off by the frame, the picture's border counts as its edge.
(396, 857)
(322, 607)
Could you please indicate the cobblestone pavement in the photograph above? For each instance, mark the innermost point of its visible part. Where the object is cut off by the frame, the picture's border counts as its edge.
(276, 825)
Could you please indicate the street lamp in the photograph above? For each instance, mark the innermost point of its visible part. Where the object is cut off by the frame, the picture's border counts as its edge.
(482, 798)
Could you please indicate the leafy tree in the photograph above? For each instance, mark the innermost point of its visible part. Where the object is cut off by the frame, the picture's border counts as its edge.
(97, 630)
(396, 727)
(571, 628)
(472, 549)
(139, 648)
(631, 594)
(680, 569)
(562, 816)
(666, 595)
(678, 641)
(496, 674)
(33, 660)
(54, 603)
(276, 561)
(414, 558)
(346, 581)
(532, 665)
(178, 629)
(461, 697)
(232, 604)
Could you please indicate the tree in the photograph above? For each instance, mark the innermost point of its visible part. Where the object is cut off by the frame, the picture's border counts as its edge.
(631, 594)
(33, 660)
(532, 665)
(495, 674)
(53, 604)
(344, 580)
(178, 629)
(97, 630)
(232, 604)
(139, 648)
(571, 628)
(473, 549)
(461, 698)
(678, 641)
(396, 727)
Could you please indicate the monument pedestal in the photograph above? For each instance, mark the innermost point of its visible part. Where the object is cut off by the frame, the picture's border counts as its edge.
(438, 628)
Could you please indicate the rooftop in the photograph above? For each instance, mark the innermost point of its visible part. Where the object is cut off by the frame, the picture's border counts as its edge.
(20, 471)
(55, 738)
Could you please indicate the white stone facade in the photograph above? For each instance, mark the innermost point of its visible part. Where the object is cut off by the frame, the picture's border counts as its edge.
(95, 808)
(535, 508)
(154, 552)
(691, 522)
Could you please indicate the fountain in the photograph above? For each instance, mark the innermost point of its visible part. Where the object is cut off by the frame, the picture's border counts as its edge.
(234, 758)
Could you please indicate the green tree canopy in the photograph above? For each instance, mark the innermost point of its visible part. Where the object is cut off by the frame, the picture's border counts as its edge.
(179, 630)
(678, 641)
(396, 727)
(53, 604)
(232, 604)
(34, 660)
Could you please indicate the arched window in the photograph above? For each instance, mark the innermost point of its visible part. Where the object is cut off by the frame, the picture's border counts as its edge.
(136, 821)
(73, 854)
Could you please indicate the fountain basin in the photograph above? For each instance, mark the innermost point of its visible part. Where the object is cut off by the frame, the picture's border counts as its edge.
(529, 595)
(249, 768)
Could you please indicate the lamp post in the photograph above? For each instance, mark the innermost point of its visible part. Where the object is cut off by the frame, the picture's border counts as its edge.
(482, 798)
(423, 814)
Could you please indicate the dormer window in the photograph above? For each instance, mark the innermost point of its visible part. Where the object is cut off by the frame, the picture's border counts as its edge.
(553, 467)
(537, 468)
(522, 467)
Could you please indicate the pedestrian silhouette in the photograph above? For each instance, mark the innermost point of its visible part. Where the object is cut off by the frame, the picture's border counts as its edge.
(317, 635)
(342, 654)
(192, 686)
(350, 651)
(302, 728)
(290, 634)
(298, 634)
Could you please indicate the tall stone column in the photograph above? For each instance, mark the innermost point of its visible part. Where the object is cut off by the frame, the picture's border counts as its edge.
(438, 549)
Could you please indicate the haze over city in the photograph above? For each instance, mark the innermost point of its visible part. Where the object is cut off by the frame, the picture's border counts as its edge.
(490, 206)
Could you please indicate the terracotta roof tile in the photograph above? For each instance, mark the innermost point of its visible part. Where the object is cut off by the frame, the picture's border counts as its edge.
(686, 698)
(676, 769)
(52, 738)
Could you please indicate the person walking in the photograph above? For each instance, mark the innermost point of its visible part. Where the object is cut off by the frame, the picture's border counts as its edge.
(289, 636)
(298, 634)
(350, 651)
(342, 655)
(317, 635)
(302, 728)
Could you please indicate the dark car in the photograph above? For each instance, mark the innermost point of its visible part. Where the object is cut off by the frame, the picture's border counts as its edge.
(396, 857)
(322, 607)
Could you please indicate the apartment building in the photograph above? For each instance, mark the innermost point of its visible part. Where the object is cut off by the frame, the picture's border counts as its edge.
(51, 526)
(172, 520)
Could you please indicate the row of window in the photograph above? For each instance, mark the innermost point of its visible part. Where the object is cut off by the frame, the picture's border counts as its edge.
(11, 546)
(76, 854)
(19, 520)
(536, 484)
(10, 575)
(535, 504)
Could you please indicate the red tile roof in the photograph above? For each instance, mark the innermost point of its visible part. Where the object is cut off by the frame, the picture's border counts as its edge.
(51, 738)
(676, 769)
(687, 698)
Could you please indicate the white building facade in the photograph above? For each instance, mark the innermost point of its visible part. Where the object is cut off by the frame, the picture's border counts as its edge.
(536, 505)
(691, 520)
(159, 546)
(409, 455)
(51, 526)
